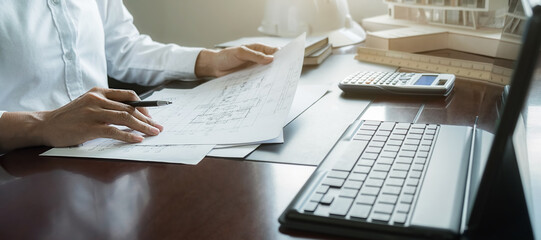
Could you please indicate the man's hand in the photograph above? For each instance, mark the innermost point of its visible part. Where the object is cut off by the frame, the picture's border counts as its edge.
(85, 118)
(218, 63)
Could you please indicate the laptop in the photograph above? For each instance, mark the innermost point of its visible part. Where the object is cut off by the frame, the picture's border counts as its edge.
(405, 180)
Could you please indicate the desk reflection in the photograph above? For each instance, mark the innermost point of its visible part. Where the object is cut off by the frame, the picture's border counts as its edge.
(75, 201)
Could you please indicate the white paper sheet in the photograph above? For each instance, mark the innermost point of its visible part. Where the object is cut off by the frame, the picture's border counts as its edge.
(233, 152)
(246, 106)
(305, 97)
(114, 149)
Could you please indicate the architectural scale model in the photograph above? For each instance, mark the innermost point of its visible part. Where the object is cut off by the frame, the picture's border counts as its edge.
(413, 29)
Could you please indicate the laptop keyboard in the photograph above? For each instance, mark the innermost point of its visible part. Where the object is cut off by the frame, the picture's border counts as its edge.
(378, 175)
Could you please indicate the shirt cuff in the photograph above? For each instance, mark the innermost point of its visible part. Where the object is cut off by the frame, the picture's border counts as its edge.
(2, 112)
(182, 60)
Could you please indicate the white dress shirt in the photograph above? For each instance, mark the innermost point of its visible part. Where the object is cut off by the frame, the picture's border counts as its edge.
(53, 51)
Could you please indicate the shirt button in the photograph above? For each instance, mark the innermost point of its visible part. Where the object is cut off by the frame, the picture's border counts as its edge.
(69, 55)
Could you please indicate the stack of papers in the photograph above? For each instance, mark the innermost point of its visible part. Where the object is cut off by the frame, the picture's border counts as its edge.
(245, 108)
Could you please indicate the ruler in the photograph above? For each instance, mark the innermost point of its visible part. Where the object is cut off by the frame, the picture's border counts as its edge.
(432, 64)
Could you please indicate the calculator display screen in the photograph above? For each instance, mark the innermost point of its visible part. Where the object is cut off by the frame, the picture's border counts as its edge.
(426, 80)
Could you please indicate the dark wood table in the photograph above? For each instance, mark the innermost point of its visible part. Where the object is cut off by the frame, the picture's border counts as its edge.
(72, 198)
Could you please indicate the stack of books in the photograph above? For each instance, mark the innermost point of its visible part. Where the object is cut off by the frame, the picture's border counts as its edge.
(317, 48)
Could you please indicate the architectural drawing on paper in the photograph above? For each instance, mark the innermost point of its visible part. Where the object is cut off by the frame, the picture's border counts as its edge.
(234, 104)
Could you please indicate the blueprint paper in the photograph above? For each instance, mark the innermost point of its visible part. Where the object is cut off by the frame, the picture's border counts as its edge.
(114, 149)
(243, 107)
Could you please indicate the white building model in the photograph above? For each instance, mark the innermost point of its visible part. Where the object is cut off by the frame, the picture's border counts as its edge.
(486, 27)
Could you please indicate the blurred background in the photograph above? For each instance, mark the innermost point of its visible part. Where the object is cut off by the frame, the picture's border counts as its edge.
(204, 23)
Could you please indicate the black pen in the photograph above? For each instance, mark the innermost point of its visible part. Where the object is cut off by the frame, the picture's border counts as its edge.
(147, 103)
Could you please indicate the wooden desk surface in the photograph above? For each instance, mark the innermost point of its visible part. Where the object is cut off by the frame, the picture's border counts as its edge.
(69, 198)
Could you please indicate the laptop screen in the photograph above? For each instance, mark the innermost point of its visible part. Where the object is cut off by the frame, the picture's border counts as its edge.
(512, 116)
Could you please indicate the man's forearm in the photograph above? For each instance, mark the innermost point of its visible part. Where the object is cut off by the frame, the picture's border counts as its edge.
(20, 129)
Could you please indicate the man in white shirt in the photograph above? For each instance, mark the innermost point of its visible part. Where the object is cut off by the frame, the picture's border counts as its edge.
(55, 56)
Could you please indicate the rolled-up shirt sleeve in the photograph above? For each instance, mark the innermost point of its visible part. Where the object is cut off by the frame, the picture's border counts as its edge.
(136, 58)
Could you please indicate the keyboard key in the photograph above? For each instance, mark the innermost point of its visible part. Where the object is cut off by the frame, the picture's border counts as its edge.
(432, 126)
(430, 131)
(395, 182)
(372, 182)
(368, 127)
(391, 190)
(357, 176)
(403, 208)
(369, 122)
(361, 169)
(382, 167)
(406, 199)
(417, 167)
(399, 218)
(383, 133)
(420, 160)
(316, 197)
(414, 137)
(415, 174)
(338, 174)
(406, 160)
(322, 189)
(409, 190)
(416, 131)
(401, 166)
(379, 138)
(366, 162)
(375, 150)
(423, 148)
(366, 132)
(362, 137)
(400, 131)
(366, 199)
(348, 193)
(376, 144)
(411, 142)
(402, 126)
(397, 137)
(333, 182)
(388, 126)
(409, 148)
(422, 154)
(398, 174)
(353, 184)
(381, 217)
(385, 160)
(409, 154)
(426, 142)
(373, 191)
(412, 182)
(360, 211)
(383, 208)
(340, 206)
(428, 137)
(391, 148)
(310, 206)
(327, 199)
(418, 125)
(371, 156)
(388, 154)
(394, 142)
(388, 198)
(378, 175)
(350, 155)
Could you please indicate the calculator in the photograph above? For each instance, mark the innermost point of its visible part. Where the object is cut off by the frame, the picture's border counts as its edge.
(398, 83)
